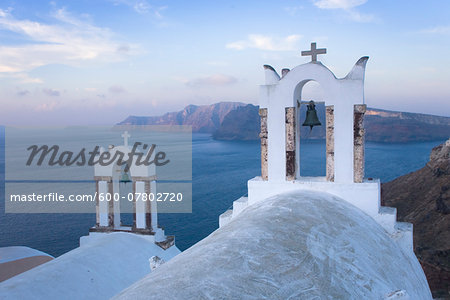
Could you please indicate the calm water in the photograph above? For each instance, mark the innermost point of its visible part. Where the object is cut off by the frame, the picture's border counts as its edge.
(220, 173)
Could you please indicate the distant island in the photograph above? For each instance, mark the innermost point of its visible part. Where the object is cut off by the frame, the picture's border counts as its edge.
(240, 121)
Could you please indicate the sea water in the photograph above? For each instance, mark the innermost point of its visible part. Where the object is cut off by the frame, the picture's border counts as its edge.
(220, 170)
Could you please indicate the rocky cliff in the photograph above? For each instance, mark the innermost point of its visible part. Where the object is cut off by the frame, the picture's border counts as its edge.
(204, 118)
(392, 126)
(423, 198)
(242, 123)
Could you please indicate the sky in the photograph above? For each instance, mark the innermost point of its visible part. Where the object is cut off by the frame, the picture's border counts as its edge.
(91, 62)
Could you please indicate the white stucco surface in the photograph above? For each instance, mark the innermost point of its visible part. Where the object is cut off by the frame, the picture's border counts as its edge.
(365, 195)
(105, 264)
(296, 245)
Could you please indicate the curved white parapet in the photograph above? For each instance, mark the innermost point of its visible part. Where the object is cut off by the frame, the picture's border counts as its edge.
(272, 76)
(359, 69)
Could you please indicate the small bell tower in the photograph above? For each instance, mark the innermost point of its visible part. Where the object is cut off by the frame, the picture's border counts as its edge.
(142, 178)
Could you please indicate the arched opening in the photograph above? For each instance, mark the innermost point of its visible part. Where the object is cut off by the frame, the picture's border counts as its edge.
(311, 148)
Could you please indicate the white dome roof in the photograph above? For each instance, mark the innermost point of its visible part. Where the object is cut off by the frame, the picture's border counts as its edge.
(103, 265)
(302, 245)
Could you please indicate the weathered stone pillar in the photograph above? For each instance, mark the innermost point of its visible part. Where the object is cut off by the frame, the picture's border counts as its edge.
(290, 143)
(111, 204)
(142, 206)
(103, 184)
(140, 202)
(148, 209)
(358, 142)
(153, 205)
(134, 206)
(97, 205)
(329, 115)
(104, 209)
(263, 136)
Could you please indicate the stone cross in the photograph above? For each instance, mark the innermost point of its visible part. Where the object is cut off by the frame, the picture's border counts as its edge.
(314, 51)
(125, 136)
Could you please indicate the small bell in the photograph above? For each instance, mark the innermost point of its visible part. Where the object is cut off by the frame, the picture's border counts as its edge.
(311, 116)
(125, 178)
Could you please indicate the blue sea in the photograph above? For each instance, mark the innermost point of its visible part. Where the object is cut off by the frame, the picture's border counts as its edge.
(220, 170)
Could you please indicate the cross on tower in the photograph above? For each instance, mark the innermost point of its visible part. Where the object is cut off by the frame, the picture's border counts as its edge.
(314, 51)
(125, 136)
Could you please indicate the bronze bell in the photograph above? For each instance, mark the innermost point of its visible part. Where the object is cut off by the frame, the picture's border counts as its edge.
(311, 116)
(125, 178)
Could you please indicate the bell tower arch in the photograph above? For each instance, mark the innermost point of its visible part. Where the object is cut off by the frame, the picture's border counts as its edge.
(278, 101)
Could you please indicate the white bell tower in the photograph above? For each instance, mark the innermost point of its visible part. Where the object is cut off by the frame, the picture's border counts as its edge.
(143, 180)
(280, 101)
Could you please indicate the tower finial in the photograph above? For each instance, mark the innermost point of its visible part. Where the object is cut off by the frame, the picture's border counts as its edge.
(125, 136)
(314, 51)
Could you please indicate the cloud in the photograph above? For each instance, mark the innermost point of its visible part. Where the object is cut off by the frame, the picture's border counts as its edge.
(116, 89)
(46, 106)
(360, 17)
(213, 80)
(292, 10)
(348, 6)
(338, 4)
(157, 12)
(218, 63)
(22, 77)
(436, 30)
(262, 42)
(123, 49)
(51, 92)
(21, 92)
(68, 40)
(142, 7)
